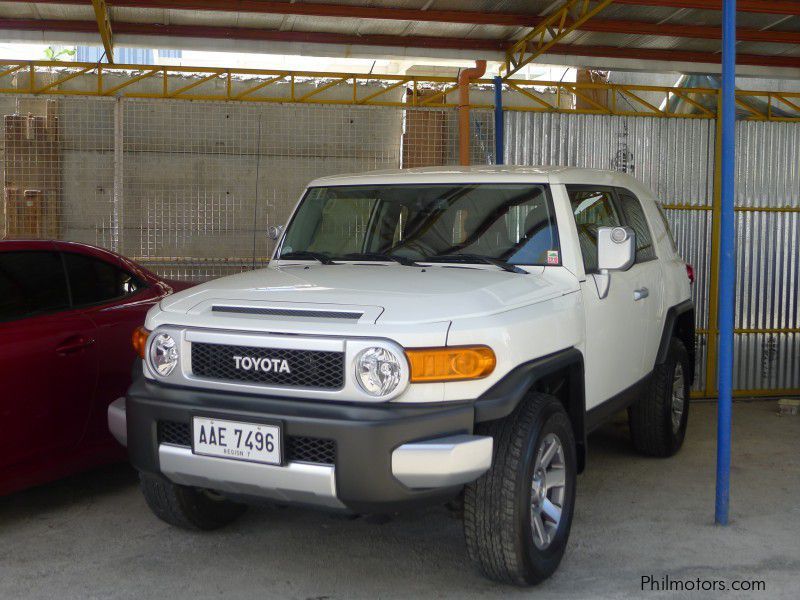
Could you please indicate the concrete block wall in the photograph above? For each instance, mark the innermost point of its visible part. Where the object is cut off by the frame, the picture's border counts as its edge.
(199, 179)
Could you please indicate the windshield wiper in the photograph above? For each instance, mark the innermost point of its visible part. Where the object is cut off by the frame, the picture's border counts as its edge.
(380, 256)
(476, 258)
(303, 255)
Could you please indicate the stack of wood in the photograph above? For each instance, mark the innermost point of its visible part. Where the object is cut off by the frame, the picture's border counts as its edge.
(593, 98)
(425, 136)
(32, 186)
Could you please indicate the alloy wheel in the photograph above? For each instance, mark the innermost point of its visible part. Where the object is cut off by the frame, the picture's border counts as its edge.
(548, 490)
(678, 402)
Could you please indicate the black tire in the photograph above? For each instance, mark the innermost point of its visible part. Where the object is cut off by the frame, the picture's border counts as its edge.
(497, 507)
(187, 507)
(653, 432)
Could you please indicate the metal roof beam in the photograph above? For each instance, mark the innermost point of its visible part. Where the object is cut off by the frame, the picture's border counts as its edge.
(776, 7)
(680, 56)
(491, 49)
(325, 10)
(704, 32)
(250, 33)
(467, 17)
(104, 27)
(767, 7)
(562, 21)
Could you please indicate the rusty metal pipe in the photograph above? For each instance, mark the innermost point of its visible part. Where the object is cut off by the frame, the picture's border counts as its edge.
(463, 109)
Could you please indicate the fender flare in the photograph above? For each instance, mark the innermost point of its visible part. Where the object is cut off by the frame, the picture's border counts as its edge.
(502, 398)
(670, 323)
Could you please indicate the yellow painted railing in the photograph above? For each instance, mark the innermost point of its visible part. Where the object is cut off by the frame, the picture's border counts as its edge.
(317, 87)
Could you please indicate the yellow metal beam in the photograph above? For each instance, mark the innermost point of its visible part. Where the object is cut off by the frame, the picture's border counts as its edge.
(280, 86)
(774, 209)
(565, 19)
(62, 79)
(756, 330)
(104, 27)
(779, 393)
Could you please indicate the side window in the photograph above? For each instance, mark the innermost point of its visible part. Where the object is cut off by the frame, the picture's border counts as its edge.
(31, 283)
(634, 217)
(93, 281)
(592, 208)
(664, 220)
(533, 229)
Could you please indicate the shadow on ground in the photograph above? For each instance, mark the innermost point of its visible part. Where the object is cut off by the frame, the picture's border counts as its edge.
(92, 535)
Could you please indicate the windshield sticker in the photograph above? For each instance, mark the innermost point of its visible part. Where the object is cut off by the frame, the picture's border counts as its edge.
(552, 257)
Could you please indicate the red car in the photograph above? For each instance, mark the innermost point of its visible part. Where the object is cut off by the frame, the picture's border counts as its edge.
(67, 312)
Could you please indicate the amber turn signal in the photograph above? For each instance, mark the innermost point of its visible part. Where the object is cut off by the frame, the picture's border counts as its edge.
(139, 340)
(458, 363)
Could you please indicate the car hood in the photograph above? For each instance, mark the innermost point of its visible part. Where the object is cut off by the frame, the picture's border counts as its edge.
(384, 294)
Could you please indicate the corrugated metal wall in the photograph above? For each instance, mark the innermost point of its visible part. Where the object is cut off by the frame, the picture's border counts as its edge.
(675, 157)
(768, 256)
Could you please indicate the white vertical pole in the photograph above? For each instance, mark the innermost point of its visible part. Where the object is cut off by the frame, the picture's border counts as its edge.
(117, 208)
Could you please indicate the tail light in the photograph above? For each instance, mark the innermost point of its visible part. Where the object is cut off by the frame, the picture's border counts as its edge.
(139, 340)
(690, 272)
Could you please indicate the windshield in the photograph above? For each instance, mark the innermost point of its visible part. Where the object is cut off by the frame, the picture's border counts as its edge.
(510, 222)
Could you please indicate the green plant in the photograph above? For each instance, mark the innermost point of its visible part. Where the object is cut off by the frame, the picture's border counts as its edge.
(53, 54)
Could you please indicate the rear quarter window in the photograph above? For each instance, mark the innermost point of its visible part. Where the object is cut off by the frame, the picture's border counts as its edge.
(94, 281)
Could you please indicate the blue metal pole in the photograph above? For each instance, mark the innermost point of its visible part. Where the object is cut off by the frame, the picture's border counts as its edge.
(499, 142)
(727, 273)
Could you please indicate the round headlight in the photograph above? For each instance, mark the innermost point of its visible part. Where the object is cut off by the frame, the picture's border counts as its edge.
(163, 354)
(378, 371)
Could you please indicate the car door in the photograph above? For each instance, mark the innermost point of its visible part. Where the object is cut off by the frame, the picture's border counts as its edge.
(646, 274)
(616, 324)
(48, 359)
(116, 301)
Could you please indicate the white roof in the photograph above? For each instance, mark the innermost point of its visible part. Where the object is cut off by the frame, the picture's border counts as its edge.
(481, 174)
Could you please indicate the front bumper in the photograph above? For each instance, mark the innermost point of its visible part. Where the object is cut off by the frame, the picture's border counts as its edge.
(387, 457)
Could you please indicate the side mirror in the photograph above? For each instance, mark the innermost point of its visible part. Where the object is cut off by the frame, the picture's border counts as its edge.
(616, 251)
(274, 232)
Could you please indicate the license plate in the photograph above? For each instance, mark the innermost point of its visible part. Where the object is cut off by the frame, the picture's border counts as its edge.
(238, 441)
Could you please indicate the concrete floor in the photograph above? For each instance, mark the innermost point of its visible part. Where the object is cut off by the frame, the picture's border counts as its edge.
(92, 536)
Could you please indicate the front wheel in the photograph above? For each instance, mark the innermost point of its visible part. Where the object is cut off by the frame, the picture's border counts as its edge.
(518, 515)
(188, 507)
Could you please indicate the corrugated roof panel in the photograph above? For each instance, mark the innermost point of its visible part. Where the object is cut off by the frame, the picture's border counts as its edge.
(463, 31)
(36, 10)
(765, 49)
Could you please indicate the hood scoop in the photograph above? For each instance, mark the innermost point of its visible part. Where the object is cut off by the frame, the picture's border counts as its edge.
(298, 313)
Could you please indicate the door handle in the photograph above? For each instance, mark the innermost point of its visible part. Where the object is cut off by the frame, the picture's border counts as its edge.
(641, 293)
(74, 344)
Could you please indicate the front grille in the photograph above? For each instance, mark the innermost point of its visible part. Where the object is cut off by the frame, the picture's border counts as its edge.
(307, 368)
(297, 448)
(172, 432)
(309, 449)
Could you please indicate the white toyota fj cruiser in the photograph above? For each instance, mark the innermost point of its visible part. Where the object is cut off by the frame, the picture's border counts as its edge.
(422, 336)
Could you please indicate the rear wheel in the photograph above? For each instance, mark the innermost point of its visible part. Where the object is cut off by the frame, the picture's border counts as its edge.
(658, 420)
(188, 507)
(517, 516)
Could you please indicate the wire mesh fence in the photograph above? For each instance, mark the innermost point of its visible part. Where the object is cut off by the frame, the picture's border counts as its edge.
(189, 189)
